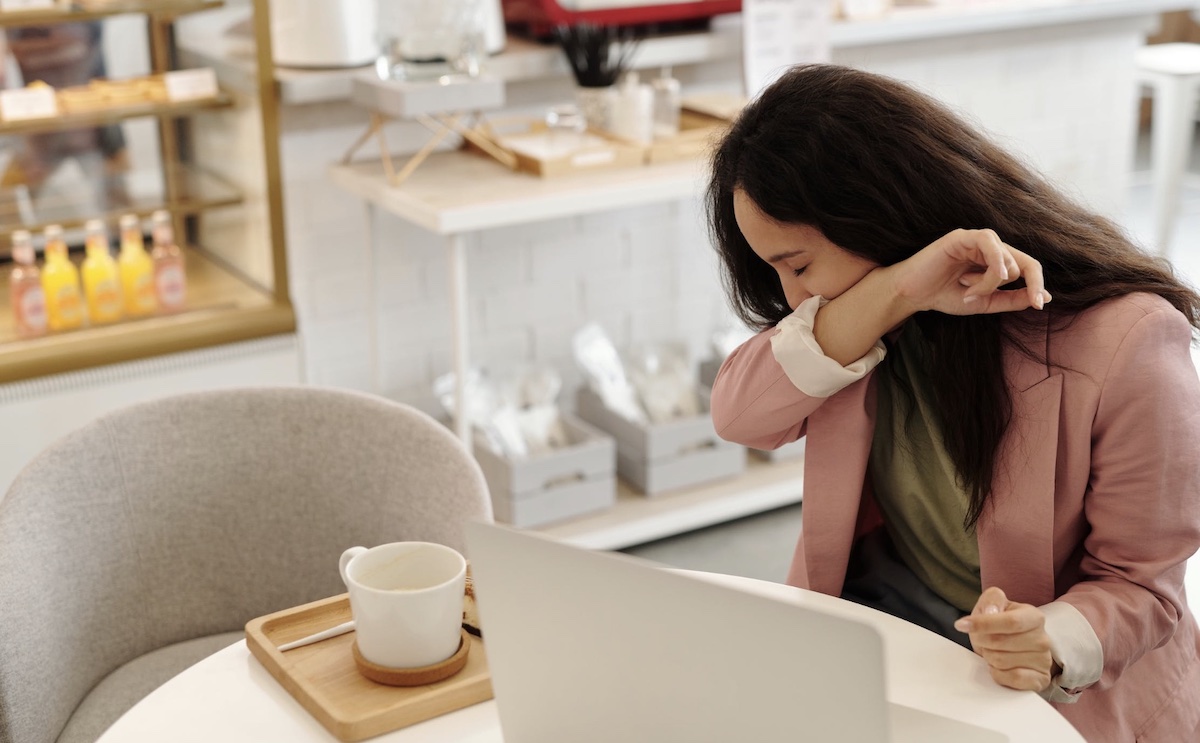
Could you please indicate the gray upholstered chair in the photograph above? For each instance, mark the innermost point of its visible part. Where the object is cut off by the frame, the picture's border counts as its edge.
(144, 541)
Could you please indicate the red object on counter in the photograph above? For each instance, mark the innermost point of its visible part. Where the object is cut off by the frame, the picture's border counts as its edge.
(543, 15)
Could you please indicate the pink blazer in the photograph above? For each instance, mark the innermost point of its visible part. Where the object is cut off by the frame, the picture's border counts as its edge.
(1096, 499)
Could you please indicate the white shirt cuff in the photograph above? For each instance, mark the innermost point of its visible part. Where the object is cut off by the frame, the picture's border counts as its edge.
(806, 365)
(1077, 650)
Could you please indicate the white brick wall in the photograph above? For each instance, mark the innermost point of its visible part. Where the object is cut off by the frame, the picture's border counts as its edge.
(647, 274)
(1064, 96)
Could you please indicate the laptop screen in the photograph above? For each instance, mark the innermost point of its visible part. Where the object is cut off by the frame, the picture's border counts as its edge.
(586, 646)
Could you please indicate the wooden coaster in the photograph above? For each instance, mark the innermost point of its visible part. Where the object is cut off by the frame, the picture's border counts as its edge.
(414, 676)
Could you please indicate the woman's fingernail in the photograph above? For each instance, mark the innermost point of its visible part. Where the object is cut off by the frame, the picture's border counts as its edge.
(991, 609)
(970, 298)
(1004, 272)
(1039, 301)
(963, 625)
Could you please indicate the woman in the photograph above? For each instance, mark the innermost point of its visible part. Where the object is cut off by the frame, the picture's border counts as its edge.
(1006, 458)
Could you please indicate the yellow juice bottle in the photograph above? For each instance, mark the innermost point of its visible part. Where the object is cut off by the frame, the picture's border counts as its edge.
(136, 268)
(101, 286)
(60, 280)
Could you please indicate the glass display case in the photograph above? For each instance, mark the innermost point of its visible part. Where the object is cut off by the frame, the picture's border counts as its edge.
(96, 123)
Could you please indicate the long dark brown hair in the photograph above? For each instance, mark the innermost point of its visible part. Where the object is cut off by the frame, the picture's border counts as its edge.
(882, 171)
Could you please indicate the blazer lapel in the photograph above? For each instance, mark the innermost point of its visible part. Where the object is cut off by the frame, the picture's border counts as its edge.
(839, 444)
(1016, 530)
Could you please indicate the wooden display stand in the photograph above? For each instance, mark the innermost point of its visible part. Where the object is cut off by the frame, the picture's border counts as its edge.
(448, 105)
(478, 133)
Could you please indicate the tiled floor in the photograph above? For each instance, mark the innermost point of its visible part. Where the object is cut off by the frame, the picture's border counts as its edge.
(761, 546)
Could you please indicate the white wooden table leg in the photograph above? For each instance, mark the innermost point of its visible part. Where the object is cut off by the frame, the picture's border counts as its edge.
(457, 245)
(373, 298)
(1171, 138)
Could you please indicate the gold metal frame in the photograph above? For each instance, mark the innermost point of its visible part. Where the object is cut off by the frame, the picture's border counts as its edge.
(268, 96)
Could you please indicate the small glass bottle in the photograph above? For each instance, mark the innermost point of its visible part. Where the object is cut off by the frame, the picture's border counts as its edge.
(25, 289)
(101, 286)
(170, 272)
(137, 270)
(668, 101)
(60, 281)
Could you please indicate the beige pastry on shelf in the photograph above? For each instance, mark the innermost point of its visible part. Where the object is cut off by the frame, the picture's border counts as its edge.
(124, 93)
(152, 88)
(81, 98)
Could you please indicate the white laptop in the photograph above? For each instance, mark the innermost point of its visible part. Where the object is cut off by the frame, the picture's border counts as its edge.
(594, 647)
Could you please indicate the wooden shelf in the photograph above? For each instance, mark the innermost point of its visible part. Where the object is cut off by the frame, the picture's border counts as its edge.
(636, 519)
(113, 114)
(198, 191)
(457, 191)
(91, 11)
(222, 308)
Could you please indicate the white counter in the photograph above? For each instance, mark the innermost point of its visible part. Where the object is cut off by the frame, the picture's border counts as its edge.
(526, 60)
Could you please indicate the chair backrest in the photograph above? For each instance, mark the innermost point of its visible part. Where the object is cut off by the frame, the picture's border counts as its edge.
(189, 516)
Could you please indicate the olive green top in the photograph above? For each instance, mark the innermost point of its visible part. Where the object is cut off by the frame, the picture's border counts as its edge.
(915, 482)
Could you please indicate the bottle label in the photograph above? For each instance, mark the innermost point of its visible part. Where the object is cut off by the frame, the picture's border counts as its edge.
(144, 291)
(107, 300)
(31, 311)
(172, 288)
(140, 294)
(70, 308)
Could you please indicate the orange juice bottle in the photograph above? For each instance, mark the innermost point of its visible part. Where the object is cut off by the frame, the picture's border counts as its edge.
(170, 275)
(101, 286)
(25, 288)
(136, 268)
(60, 281)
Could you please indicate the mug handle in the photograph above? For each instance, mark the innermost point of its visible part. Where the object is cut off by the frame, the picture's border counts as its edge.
(344, 562)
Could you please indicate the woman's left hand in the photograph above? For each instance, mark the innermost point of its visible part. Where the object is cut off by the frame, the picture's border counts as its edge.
(1012, 638)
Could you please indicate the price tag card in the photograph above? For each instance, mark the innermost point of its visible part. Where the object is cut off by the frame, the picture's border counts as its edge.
(19, 5)
(777, 34)
(191, 85)
(20, 104)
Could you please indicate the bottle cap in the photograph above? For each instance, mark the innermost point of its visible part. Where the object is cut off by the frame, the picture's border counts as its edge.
(163, 230)
(130, 222)
(22, 247)
(665, 85)
(53, 233)
(94, 225)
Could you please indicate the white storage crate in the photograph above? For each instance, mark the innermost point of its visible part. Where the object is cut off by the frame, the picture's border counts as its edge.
(656, 458)
(563, 484)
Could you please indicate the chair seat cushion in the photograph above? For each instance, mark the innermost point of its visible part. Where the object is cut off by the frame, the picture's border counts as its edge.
(127, 685)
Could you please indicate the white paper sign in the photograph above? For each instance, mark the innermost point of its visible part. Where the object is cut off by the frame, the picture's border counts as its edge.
(777, 34)
(190, 85)
(28, 103)
(18, 5)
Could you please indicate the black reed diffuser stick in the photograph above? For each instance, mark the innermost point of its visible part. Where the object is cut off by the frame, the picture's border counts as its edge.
(597, 54)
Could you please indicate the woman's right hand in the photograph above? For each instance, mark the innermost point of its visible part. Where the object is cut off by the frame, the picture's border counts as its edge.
(961, 274)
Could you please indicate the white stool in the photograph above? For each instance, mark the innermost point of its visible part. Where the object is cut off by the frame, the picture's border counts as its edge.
(1173, 72)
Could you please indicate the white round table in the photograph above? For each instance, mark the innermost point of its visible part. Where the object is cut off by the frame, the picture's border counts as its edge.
(229, 697)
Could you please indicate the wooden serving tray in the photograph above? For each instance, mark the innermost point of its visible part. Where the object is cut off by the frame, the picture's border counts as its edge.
(324, 679)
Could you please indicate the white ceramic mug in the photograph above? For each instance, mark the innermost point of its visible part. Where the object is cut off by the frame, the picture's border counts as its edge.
(407, 600)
